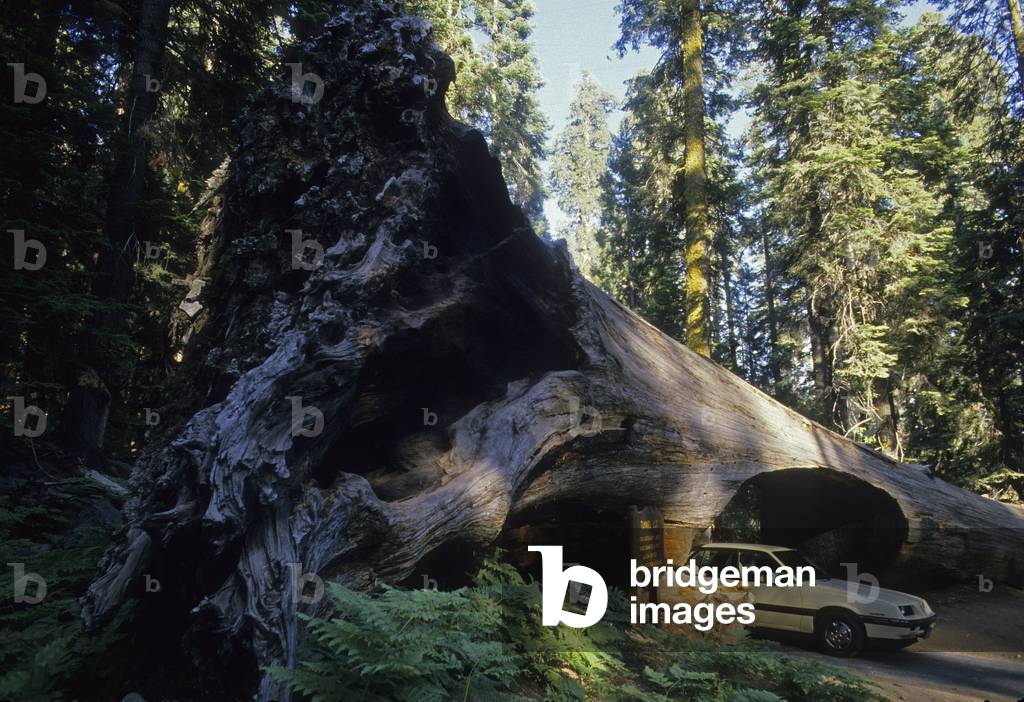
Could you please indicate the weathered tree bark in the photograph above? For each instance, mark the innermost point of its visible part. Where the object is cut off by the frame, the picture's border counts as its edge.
(438, 373)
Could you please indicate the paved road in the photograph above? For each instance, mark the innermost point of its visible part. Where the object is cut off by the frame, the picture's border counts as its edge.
(975, 654)
(929, 676)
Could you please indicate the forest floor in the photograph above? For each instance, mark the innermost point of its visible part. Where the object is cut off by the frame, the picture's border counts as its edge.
(976, 652)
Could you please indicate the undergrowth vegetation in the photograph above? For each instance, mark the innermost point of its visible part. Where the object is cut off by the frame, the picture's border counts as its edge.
(479, 643)
(486, 642)
(44, 650)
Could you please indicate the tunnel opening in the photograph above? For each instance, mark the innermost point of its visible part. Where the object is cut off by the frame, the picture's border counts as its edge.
(596, 537)
(448, 567)
(832, 517)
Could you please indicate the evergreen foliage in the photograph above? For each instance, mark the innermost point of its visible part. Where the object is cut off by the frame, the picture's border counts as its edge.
(865, 259)
(496, 87)
(578, 165)
(864, 236)
(45, 651)
(866, 268)
(59, 178)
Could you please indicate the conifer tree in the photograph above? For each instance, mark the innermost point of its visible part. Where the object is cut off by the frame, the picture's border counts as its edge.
(806, 51)
(515, 125)
(681, 111)
(579, 164)
(698, 254)
(1000, 23)
(641, 255)
(496, 87)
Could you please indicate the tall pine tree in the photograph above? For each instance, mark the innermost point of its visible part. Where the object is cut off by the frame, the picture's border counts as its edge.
(578, 166)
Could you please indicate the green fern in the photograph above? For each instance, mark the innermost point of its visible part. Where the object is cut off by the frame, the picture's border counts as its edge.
(44, 646)
(486, 642)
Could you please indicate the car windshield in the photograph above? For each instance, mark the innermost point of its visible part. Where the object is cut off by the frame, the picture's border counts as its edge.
(795, 559)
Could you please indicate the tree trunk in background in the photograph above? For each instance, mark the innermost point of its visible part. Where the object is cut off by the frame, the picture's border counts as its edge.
(730, 319)
(34, 176)
(89, 399)
(1006, 415)
(714, 309)
(698, 238)
(438, 375)
(888, 417)
(832, 404)
(774, 361)
(132, 159)
(820, 367)
(586, 252)
(1017, 28)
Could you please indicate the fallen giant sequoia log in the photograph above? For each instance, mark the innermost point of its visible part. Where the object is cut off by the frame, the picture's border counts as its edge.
(437, 373)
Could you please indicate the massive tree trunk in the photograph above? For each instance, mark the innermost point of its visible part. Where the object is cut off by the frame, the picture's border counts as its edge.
(436, 374)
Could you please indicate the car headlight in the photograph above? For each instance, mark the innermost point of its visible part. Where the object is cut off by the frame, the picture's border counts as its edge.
(907, 610)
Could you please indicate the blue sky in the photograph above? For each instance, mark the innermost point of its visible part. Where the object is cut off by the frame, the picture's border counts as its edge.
(572, 36)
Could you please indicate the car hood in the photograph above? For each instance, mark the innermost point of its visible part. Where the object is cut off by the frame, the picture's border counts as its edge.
(867, 594)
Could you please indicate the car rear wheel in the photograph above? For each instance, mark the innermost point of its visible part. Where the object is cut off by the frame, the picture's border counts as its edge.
(839, 633)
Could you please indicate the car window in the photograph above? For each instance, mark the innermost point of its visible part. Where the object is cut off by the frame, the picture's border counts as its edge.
(757, 559)
(721, 557)
(702, 557)
(795, 559)
(714, 557)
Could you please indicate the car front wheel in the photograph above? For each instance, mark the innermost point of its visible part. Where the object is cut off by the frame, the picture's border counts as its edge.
(839, 633)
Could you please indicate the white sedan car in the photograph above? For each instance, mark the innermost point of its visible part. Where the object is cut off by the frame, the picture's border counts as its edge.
(840, 614)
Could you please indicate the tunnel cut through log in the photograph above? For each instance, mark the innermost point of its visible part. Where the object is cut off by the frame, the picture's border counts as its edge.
(833, 518)
(596, 537)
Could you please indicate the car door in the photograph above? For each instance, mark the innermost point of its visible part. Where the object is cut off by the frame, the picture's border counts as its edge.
(719, 558)
(776, 607)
